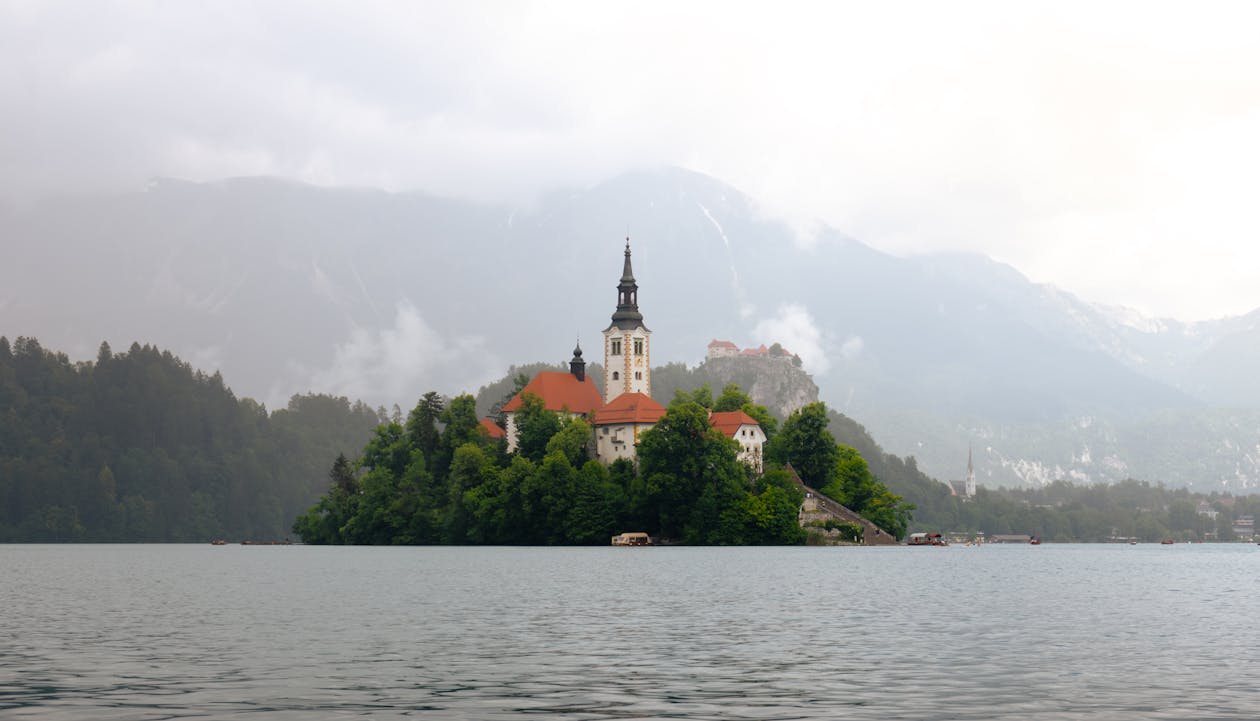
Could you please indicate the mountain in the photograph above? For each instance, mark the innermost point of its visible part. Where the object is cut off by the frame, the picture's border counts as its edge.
(289, 288)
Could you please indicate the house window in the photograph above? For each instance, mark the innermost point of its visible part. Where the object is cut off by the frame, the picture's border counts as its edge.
(605, 430)
(638, 346)
(616, 347)
(638, 375)
(616, 375)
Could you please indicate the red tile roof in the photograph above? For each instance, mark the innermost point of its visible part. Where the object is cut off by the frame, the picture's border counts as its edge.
(561, 391)
(723, 344)
(729, 422)
(630, 408)
(492, 429)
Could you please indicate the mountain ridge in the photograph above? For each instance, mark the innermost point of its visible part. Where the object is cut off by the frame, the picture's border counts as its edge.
(289, 288)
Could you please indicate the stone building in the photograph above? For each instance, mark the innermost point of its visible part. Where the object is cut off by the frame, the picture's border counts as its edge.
(569, 394)
(619, 423)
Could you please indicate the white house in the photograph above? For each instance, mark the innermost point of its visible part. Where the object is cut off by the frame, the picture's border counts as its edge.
(746, 431)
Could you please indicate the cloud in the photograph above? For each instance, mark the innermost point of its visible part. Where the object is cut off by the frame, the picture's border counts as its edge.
(852, 347)
(397, 364)
(794, 328)
(1087, 145)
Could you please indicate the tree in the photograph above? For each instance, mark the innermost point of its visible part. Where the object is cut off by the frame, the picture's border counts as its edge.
(342, 476)
(572, 440)
(422, 425)
(692, 474)
(805, 442)
(732, 399)
(702, 396)
(535, 427)
(462, 427)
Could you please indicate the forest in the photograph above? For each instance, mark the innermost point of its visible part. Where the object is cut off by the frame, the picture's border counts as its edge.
(138, 446)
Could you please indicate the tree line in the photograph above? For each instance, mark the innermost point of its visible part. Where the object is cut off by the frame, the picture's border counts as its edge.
(138, 446)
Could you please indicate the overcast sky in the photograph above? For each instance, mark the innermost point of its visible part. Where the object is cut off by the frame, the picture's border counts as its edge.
(1111, 149)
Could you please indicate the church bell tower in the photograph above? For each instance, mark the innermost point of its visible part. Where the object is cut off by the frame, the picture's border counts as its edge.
(627, 346)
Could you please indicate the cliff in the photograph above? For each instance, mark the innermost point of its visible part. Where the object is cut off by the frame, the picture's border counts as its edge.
(773, 381)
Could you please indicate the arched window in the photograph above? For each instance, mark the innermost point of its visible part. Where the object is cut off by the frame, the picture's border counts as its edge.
(616, 375)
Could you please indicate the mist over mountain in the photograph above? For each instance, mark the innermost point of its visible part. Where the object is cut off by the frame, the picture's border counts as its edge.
(289, 288)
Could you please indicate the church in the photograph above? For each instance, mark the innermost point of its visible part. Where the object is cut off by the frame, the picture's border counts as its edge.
(626, 408)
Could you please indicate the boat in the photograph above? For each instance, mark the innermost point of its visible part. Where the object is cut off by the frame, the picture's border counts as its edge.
(926, 539)
(218, 542)
(1035, 541)
(1166, 542)
(632, 539)
(1132, 543)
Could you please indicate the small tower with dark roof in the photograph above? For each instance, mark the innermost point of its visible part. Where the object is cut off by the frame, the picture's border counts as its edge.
(627, 351)
(577, 366)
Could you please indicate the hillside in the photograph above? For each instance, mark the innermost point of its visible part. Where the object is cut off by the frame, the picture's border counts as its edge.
(139, 446)
(288, 288)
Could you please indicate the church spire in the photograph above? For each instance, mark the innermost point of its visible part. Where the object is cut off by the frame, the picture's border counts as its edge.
(627, 315)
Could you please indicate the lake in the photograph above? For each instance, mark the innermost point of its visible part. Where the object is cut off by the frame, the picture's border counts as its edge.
(293, 632)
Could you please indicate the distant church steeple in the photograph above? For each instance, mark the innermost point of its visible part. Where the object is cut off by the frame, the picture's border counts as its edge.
(971, 475)
(627, 355)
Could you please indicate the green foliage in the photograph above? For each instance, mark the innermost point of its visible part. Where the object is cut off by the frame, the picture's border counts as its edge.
(849, 531)
(535, 426)
(138, 446)
(702, 396)
(732, 399)
(695, 488)
(692, 489)
(571, 441)
(422, 424)
(806, 444)
(839, 472)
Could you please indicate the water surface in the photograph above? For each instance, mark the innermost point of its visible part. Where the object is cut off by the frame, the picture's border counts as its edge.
(235, 632)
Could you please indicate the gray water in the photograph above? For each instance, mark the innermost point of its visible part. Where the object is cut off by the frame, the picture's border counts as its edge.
(294, 632)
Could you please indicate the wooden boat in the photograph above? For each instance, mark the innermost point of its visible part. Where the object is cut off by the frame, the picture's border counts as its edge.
(632, 539)
(1166, 542)
(926, 539)
(1035, 542)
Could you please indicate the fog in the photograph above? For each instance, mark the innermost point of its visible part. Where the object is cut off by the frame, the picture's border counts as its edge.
(1108, 148)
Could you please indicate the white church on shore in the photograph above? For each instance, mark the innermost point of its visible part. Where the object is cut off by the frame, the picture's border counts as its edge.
(626, 408)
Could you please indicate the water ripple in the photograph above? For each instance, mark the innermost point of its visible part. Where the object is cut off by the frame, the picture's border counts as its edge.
(1053, 633)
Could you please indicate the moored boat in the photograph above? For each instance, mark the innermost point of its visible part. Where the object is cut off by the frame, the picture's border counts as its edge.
(632, 539)
(926, 539)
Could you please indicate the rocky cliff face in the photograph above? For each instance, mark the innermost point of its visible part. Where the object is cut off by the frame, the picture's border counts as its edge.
(773, 381)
